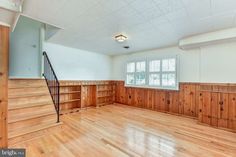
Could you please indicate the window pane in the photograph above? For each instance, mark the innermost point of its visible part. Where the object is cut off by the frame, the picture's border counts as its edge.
(130, 79)
(168, 64)
(154, 66)
(131, 67)
(168, 80)
(140, 79)
(141, 66)
(154, 79)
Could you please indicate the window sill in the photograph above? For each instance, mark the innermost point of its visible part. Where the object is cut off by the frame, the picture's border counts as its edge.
(157, 88)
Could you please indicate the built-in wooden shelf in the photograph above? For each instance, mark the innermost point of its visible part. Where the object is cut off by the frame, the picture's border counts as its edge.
(83, 94)
(105, 93)
(70, 95)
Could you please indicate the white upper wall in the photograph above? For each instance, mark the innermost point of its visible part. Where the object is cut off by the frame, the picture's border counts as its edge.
(218, 63)
(189, 62)
(213, 64)
(75, 64)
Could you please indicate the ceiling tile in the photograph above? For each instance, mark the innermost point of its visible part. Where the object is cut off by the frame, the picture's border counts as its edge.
(92, 24)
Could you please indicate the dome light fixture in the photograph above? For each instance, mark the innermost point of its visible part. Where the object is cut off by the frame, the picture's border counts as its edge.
(120, 38)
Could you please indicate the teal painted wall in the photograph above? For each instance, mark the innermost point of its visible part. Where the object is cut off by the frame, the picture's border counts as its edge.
(25, 56)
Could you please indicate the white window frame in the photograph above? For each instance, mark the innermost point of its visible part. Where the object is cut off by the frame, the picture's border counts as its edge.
(130, 73)
(147, 73)
(135, 74)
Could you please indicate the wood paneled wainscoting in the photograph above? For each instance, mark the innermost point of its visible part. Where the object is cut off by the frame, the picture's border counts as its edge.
(4, 52)
(211, 104)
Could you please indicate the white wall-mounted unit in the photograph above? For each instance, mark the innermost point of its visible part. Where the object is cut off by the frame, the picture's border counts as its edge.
(221, 36)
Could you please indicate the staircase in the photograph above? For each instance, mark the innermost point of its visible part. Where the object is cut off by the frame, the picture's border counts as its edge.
(31, 111)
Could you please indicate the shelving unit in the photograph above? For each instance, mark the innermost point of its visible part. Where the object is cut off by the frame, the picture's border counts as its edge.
(70, 96)
(105, 93)
(76, 95)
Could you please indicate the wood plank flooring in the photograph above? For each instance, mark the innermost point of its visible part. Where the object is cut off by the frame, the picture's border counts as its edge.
(122, 131)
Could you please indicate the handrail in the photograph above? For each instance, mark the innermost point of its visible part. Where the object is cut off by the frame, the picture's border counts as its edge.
(52, 83)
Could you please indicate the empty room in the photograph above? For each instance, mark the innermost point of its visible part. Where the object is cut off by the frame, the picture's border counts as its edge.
(118, 78)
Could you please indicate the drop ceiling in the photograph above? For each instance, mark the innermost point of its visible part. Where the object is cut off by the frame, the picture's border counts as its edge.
(148, 24)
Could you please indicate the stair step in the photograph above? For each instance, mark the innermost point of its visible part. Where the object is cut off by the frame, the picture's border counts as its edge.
(32, 129)
(28, 95)
(25, 83)
(28, 116)
(29, 105)
(24, 86)
(31, 122)
(29, 110)
(26, 100)
(22, 91)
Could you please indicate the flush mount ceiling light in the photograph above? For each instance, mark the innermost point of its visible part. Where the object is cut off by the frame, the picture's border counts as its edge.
(120, 38)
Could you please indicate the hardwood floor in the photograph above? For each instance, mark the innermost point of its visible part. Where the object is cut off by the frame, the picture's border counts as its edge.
(118, 130)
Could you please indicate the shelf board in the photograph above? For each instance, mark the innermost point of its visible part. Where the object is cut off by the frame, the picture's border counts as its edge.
(67, 101)
(70, 92)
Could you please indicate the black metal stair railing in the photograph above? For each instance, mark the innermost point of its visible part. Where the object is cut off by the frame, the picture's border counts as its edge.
(52, 83)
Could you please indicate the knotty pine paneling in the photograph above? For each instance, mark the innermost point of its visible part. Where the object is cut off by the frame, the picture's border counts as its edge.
(4, 53)
(179, 102)
(197, 100)
(232, 111)
(88, 96)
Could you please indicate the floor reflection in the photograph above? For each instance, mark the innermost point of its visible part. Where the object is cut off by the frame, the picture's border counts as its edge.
(149, 144)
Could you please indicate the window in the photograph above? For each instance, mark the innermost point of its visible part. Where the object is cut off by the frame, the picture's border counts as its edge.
(169, 72)
(130, 73)
(140, 73)
(158, 73)
(136, 73)
(154, 73)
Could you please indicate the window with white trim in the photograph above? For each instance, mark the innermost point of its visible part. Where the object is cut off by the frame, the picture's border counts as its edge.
(156, 73)
(140, 73)
(169, 72)
(130, 77)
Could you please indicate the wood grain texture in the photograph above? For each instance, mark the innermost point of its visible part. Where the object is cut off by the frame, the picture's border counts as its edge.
(4, 55)
(212, 104)
(105, 93)
(82, 94)
(30, 110)
(119, 130)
